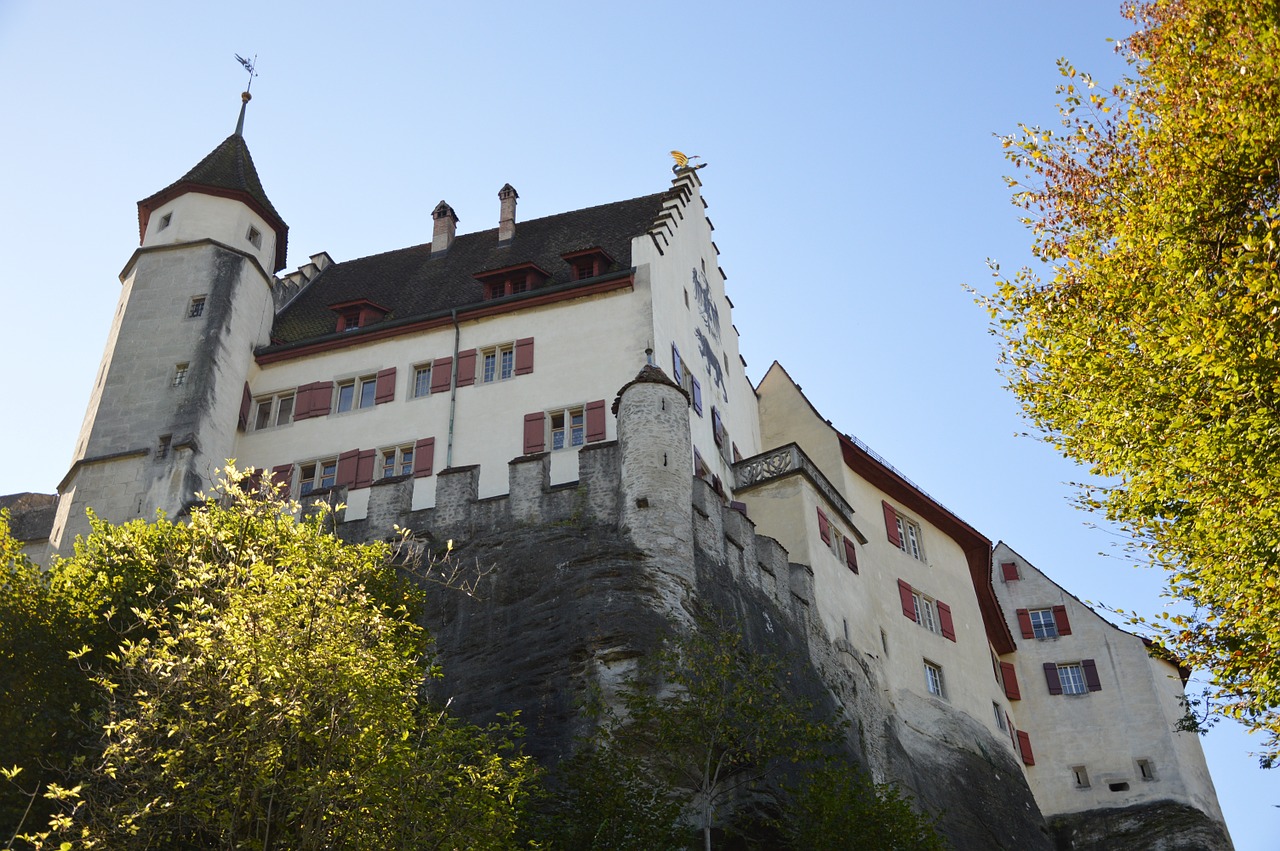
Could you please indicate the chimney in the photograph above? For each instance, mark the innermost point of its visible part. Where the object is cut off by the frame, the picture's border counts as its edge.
(507, 216)
(445, 227)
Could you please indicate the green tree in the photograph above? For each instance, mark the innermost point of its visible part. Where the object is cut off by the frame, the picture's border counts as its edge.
(717, 723)
(1153, 353)
(838, 808)
(266, 692)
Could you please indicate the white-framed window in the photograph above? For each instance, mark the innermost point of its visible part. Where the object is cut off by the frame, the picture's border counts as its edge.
(165, 221)
(497, 363)
(317, 475)
(180, 374)
(568, 428)
(196, 308)
(909, 537)
(926, 611)
(254, 236)
(357, 393)
(1001, 724)
(395, 461)
(1071, 675)
(272, 411)
(421, 381)
(933, 679)
(1042, 623)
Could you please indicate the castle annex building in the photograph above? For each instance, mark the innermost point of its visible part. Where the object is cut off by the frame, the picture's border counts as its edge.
(437, 387)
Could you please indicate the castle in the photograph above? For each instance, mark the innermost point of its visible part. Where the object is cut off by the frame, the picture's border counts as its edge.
(581, 372)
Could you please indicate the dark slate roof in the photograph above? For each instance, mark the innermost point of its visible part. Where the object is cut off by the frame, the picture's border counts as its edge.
(409, 283)
(228, 167)
(31, 515)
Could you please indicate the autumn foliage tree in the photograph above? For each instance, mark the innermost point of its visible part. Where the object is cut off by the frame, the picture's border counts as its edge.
(260, 685)
(1152, 351)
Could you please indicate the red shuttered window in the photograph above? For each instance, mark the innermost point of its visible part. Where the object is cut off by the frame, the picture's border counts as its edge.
(424, 455)
(441, 375)
(945, 621)
(596, 422)
(386, 386)
(891, 524)
(908, 603)
(850, 555)
(535, 433)
(1010, 571)
(824, 528)
(1009, 675)
(1024, 748)
(524, 356)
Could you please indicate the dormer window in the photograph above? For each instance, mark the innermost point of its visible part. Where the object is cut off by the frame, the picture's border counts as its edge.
(587, 263)
(511, 280)
(353, 315)
(255, 236)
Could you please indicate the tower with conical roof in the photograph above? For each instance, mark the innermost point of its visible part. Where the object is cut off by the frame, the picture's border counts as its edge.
(196, 299)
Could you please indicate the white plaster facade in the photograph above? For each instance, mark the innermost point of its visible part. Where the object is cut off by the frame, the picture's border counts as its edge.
(1110, 746)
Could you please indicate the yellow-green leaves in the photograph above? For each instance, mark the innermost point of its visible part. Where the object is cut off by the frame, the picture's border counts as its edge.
(1152, 354)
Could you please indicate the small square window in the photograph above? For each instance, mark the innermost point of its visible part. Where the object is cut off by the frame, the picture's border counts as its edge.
(926, 612)
(1081, 776)
(180, 374)
(317, 475)
(933, 679)
(163, 445)
(357, 393)
(1146, 769)
(165, 220)
(255, 236)
(196, 308)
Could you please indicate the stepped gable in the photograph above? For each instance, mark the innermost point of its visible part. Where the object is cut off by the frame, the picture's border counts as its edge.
(409, 282)
(228, 170)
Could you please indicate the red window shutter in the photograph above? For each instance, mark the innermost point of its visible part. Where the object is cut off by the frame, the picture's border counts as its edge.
(441, 375)
(321, 398)
(1010, 676)
(282, 476)
(944, 620)
(1060, 619)
(385, 390)
(246, 402)
(595, 421)
(302, 402)
(850, 555)
(891, 524)
(908, 604)
(534, 434)
(1051, 677)
(824, 528)
(1010, 570)
(1024, 622)
(364, 468)
(424, 457)
(524, 356)
(1091, 675)
(1024, 747)
(467, 368)
(347, 462)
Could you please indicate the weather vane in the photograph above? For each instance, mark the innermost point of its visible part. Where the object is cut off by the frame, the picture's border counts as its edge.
(682, 162)
(248, 66)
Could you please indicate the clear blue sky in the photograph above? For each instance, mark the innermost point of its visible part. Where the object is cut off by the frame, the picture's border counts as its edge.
(853, 179)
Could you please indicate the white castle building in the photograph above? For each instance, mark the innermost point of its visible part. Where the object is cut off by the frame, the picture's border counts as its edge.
(470, 350)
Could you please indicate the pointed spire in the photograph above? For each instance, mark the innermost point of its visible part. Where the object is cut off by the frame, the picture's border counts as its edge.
(245, 97)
